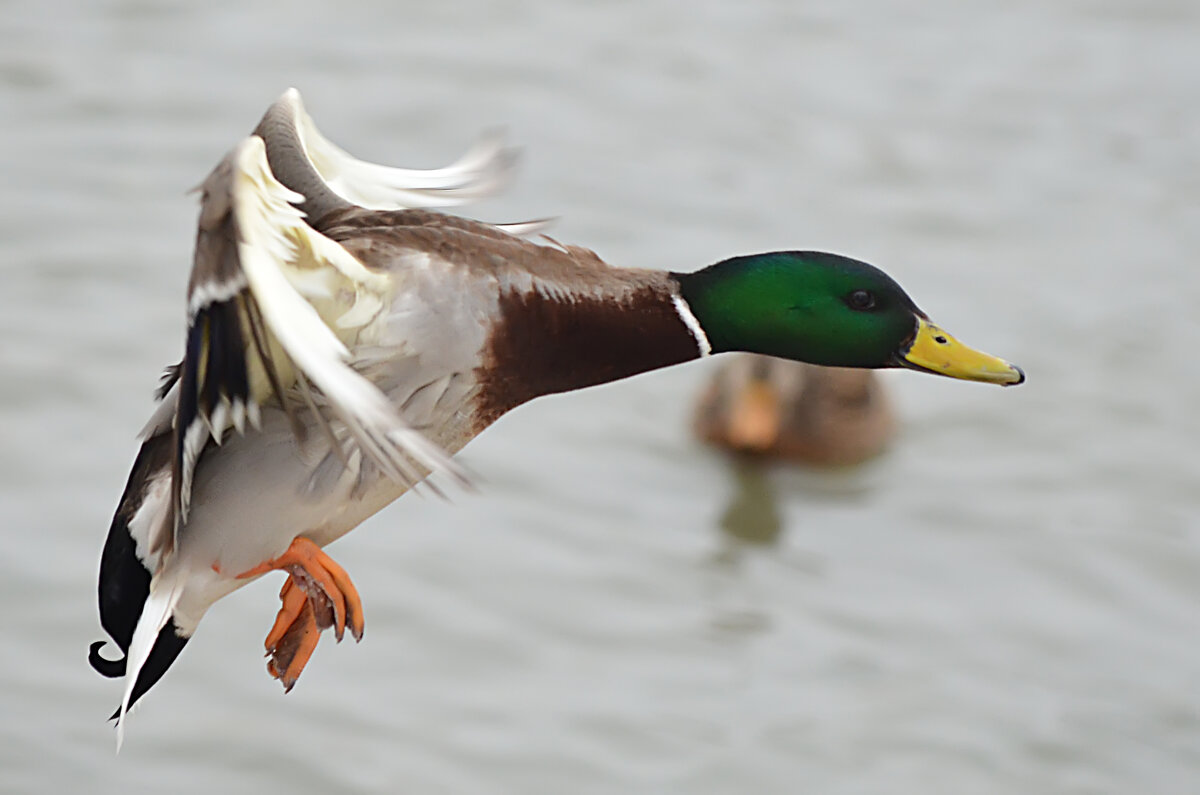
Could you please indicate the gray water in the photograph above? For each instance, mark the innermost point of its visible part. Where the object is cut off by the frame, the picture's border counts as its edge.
(1007, 602)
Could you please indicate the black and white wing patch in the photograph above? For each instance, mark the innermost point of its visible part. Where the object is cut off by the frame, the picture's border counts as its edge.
(272, 305)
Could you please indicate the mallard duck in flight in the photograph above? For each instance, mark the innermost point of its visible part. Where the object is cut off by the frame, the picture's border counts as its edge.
(340, 349)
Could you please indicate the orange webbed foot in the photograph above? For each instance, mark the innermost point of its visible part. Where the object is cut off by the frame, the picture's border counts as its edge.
(318, 594)
(295, 645)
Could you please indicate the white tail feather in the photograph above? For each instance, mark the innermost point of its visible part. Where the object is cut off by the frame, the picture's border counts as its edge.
(165, 590)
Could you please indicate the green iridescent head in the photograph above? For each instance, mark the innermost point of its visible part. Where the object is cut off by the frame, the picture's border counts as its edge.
(827, 309)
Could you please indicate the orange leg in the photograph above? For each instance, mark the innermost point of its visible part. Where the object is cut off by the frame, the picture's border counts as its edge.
(318, 594)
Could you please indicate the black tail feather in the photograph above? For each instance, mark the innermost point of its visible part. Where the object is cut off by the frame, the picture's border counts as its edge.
(124, 582)
(110, 668)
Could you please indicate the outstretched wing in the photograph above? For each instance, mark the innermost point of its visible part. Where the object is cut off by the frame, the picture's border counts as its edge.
(330, 178)
(272, 305)
(485, 169)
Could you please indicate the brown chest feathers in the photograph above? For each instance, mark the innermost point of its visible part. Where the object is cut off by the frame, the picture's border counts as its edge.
(543, 343)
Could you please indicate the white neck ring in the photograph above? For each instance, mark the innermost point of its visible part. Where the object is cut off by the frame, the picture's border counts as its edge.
(693, 325)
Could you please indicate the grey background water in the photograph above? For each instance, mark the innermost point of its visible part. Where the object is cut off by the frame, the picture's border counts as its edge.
(1006, 603)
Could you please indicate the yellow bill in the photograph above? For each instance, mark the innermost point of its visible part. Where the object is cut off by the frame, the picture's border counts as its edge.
(935, 351)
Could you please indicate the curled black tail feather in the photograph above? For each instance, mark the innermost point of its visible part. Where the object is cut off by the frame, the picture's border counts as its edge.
(110, 668)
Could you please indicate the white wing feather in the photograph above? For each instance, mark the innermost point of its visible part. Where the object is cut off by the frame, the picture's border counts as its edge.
(485, 169)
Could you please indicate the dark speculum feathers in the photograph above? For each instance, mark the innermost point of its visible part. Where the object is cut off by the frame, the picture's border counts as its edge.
(214, 369)
(215, 366)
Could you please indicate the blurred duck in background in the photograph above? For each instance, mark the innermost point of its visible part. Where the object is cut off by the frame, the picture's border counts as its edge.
(776, 408)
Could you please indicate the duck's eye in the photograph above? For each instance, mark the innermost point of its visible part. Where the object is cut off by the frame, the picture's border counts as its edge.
(861, 300)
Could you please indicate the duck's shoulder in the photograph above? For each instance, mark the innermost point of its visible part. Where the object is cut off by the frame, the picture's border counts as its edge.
(381, 239)
(352, 222)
